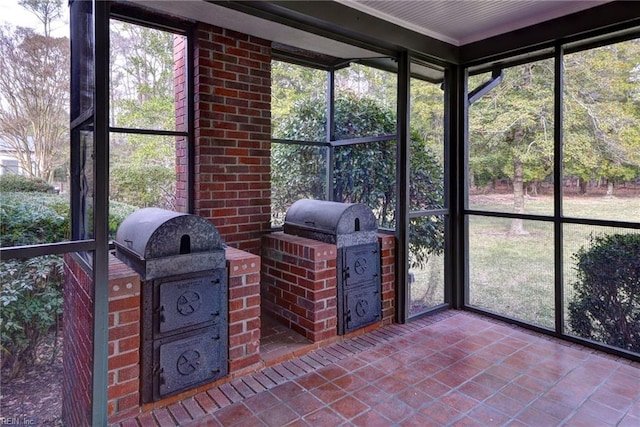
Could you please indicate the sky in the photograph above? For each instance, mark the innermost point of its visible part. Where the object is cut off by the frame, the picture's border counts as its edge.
(14, 14)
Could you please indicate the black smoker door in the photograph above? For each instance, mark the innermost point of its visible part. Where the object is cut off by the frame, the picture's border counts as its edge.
(189, 361)
(362, 264)
(188, 302)
(363, 306)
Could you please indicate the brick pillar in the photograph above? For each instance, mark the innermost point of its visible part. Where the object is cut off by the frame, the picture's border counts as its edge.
(388, 277)
(77, 335)
(299, 284)
(123, 390)
(180, 91)
(244, 310)
(232, 134)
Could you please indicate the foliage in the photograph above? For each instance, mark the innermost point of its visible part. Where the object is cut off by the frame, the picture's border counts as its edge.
(34, 94)
(363, 173)
(33, 218)
(12, 183)
(31, 302)
(144, 186)
(606, 305)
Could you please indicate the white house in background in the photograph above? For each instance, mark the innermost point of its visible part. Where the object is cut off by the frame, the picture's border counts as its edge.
(9, 161)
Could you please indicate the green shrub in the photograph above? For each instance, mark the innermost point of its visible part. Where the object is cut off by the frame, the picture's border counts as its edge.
(21, 184)
(606, 304)
(31, 297)
(31, 301)
(32, 218)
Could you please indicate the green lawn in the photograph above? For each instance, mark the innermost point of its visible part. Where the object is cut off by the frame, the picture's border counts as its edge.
(514, 275)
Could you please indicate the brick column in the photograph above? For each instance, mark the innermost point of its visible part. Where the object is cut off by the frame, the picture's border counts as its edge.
(388, 278)
(123, 390)
(232, 134)
(77, 335)
(244, 310)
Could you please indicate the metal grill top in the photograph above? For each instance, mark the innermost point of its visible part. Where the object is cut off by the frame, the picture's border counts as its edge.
(344, 224)
(158, 242)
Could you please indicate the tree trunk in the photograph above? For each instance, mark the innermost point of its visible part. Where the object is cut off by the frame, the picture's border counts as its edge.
(610, 188)
(582, 183)
(517, 226)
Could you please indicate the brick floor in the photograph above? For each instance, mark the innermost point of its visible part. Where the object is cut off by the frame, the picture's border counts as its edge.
(450, 369)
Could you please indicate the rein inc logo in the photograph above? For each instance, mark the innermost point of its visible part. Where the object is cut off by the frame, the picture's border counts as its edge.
(17, 421)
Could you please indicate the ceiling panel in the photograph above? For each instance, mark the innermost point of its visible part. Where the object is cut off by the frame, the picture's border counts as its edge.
(465, 21)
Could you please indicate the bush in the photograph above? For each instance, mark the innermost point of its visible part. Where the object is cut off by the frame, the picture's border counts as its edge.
(17, 183)
(606, 304)
(31, 297)
(31, 301)
(33, 218)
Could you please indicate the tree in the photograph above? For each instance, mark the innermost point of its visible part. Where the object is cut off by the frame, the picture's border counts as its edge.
(34, 99)
(46, 11)
(363, 173)
(514, 121)
(142, 97)
(602, 136)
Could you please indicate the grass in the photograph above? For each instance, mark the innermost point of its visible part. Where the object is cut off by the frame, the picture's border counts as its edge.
(513, 275)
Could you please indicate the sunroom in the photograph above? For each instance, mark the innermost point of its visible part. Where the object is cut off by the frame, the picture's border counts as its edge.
(496, 144)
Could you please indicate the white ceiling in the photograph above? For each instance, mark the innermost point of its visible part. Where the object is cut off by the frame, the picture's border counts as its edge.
(459, 22)
(456, 22)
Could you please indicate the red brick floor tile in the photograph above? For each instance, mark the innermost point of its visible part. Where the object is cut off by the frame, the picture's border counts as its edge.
(349, 407)
(192, 406)
(146, 420)
(390, 384)
(433, 388)
(601, 412)
(521, 394)
(425, 367)
(277, 416)
(324, 417)
(635, 410)
(504, 404)
(328, 392)
(163, 417)
(488, 416)
(393, 409)
(287, 390)
(371, 395)
(248, 421)
(233, 413)
(209, 420)
(179, 413)
(350, 382)
(206, 402)
(582, 419)
(552, 407)
(351, 363)
(467, 421)
(441, 412)
(615, 401)
(262, 401)
(629, 421)
(504, 372)
(310, 381)
(369, 373)
(623, 385)
(535, 417)
(387, 364)
(458, 400)
(305, 404)
(419, 420)
(414, 397)
(449, 378)
(475, 390)
(331, 372)
(371, 419)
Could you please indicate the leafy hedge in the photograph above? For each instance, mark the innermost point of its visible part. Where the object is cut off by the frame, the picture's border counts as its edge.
(606, 305)
(17, 183)
(31, 297)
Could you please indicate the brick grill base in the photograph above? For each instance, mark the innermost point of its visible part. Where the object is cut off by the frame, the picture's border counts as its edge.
(299, 283)
(123, 388)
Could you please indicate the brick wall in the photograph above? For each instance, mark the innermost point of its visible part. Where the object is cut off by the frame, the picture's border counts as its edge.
(77, 343)
(299, 284)
(232, 73)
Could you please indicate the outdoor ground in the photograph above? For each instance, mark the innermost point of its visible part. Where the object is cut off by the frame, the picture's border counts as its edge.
(35, 397)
